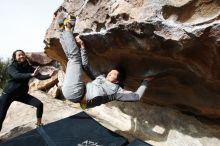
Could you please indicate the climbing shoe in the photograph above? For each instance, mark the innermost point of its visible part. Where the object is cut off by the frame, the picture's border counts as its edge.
(39, 125)
(83, 106)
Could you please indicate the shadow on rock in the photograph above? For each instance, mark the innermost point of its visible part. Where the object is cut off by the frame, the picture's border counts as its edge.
(162, 124)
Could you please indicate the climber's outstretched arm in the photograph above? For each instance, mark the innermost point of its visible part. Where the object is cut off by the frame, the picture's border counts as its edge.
(121, 95)
(126, 95)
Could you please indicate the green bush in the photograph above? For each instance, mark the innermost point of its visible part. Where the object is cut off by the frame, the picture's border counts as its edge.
(3, 73)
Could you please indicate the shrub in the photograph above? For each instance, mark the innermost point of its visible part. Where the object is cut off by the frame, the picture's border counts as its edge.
(3, 73)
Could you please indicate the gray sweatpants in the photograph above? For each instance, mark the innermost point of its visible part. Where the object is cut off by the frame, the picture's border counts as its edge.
(73, 86)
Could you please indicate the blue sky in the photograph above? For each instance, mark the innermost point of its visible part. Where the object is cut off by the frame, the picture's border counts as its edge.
(24, 23)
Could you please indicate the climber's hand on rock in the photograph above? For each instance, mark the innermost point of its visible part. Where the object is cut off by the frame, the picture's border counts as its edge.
(36, 71)
(80, 42)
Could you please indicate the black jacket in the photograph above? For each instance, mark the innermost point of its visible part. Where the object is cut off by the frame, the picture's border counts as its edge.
(20, 74)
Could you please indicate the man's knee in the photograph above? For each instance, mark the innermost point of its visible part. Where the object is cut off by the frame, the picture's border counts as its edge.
(74, 96)
(40, 105)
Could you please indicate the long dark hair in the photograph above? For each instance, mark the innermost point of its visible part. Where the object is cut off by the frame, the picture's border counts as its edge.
(13, 59)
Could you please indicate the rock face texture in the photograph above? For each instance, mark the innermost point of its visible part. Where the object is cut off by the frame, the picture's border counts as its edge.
(35, 84)
(181, 37)
(38, 58)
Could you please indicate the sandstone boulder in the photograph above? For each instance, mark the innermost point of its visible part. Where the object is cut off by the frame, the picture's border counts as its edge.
(54, 91)
(38, 58)
(181, 37)
(35, 84)
(60, 75)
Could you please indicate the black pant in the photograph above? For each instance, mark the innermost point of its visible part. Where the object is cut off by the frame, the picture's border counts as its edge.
(98, 100)
(6, 100)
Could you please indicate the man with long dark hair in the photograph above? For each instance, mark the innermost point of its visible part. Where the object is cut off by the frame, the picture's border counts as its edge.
(20, 72)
